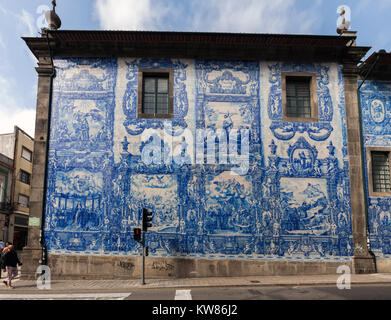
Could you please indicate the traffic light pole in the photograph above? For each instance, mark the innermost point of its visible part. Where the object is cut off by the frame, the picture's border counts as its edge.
(147, 223)
(143, 271)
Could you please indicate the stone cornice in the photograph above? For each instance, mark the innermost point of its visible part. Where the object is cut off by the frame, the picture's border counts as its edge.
(44, 70)
(268, 47)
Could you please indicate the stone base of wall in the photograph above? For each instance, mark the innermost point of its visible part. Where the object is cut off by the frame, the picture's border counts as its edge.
(383, 265)
(364, 264)
(97, 267)
(31, 259)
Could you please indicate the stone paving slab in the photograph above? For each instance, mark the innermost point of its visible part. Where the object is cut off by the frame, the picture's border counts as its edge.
(311, 280)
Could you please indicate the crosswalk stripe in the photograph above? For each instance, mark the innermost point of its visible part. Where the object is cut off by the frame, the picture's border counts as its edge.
(64, 296)
(183, 295)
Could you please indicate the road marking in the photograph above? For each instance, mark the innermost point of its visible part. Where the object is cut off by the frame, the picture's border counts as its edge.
(64, 296)
(183, 295)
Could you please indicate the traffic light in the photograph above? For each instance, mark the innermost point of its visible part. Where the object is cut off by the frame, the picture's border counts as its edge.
(147, 219)
(137, 234)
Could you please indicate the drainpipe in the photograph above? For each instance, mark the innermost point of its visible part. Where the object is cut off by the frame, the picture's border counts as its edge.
(363, 159)
(42, 231)
(13, 183)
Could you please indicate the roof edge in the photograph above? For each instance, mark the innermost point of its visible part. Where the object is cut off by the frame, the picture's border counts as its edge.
(197, 45)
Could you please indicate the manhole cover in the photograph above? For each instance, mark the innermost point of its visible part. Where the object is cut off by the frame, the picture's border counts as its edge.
(255, 281)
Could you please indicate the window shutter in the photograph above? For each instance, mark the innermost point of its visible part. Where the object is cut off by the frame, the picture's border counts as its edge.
(381, 171)
(156, 94)
(298, 96)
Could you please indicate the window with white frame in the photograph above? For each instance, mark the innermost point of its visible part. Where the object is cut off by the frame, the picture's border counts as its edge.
(27, 154)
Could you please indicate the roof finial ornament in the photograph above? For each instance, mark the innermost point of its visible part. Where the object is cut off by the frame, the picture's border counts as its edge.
(53, 20)
(343, 25)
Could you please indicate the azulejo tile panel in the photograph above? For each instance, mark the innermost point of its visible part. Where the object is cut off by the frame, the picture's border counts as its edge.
(292, 204)
(376, 117)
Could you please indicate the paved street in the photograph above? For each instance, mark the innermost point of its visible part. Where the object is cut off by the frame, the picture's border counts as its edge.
(311, 287)
(362, 292)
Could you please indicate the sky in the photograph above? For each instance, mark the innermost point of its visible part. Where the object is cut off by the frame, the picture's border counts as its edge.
(24, 18)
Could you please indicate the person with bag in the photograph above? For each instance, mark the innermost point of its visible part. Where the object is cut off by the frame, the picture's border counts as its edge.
(11, 262)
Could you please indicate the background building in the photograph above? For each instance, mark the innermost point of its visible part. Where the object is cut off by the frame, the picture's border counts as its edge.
(18, 146)
(6, 170)
(375, 96)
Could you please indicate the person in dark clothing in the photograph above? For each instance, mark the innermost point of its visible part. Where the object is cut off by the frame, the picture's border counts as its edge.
(11, 262)
(3, 250)
(2, 245)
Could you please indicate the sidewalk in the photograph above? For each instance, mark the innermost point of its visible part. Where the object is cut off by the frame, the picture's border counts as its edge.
(311, 280)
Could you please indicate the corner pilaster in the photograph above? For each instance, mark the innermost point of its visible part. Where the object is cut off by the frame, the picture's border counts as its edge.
(32, 254)
(363, 260)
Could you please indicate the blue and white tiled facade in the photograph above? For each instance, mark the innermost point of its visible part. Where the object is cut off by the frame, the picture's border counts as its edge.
(293, 203)
(376, 118)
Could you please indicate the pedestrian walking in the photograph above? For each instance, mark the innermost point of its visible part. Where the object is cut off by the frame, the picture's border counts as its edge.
(3, 250)
(2, 266)
(11, 262)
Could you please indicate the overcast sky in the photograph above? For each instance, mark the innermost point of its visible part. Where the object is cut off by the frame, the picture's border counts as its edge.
(18, 78)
